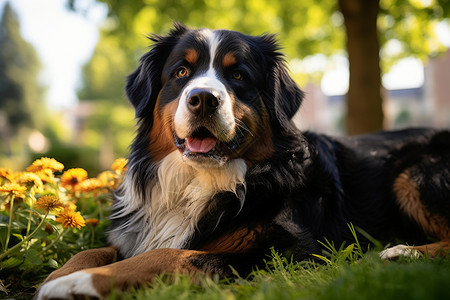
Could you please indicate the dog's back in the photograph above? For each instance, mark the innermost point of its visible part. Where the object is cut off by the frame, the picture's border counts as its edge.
(388, 182)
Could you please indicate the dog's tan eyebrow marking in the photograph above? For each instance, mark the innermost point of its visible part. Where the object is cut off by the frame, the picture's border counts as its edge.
(191, 56)
(229, 59)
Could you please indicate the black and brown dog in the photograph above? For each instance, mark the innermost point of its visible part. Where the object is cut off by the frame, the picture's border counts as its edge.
(218, 173)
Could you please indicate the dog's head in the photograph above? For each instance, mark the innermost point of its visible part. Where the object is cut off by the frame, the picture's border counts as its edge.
(213, 96)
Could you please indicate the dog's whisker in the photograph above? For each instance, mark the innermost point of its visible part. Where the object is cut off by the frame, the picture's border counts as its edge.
(241, 125)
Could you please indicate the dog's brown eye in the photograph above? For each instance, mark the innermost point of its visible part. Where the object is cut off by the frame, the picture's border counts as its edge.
(182, 72)
(238, 76)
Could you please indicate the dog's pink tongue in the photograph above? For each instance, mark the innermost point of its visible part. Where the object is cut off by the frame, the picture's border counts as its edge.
(200, 145)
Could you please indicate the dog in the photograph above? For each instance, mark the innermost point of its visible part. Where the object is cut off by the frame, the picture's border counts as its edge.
(218, 174)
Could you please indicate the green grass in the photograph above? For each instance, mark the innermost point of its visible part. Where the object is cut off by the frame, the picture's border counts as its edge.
(366, 278)
(345, 273)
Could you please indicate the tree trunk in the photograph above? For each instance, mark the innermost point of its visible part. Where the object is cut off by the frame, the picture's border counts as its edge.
(364, 101)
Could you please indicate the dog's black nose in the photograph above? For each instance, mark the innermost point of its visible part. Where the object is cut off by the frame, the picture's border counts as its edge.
(202, 102)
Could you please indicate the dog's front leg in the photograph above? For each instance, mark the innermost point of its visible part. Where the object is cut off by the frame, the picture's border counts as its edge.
(83, 260)
(138, 271)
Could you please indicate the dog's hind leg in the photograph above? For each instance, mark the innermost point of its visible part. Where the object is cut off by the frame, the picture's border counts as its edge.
(433, 250)
(441, 248)
(425, 198)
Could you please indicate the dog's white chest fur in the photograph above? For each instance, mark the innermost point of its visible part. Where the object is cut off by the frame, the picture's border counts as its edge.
(173, 204)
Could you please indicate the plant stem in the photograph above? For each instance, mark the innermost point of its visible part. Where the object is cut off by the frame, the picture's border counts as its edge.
(60, 234)
(92, 236)
(30, 214)
(8, 234)
(26, 239)
(100, 209)
(29, 222)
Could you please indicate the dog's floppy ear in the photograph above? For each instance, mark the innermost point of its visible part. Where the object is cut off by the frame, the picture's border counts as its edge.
(144, 84)
(285, 96)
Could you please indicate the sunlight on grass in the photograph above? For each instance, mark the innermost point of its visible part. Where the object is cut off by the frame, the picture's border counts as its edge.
(367, 278)
(346, 273)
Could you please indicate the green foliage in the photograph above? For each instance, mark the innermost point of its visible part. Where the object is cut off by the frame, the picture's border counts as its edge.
(103, 76)
(410, 25)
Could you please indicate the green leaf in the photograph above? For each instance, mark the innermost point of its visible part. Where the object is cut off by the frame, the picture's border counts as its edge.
(19, 236)
(326, 260)
(3, 233)
(18, 225)
(33, 256)
(3, 219)
(41, 234)
(11, 262)
(53, 263)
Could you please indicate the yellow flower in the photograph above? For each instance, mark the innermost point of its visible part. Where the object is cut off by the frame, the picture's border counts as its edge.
(26, 178)
(70, 218)
(119, 165)
(48, 202)
(72, 177)
(89, 185)
(45, 163)
(13, 189)
(107, 179)
(46, 175)
(6, 173)
(71, 206)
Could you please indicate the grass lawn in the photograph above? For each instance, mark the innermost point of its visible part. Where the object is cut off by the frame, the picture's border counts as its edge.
(365, 278)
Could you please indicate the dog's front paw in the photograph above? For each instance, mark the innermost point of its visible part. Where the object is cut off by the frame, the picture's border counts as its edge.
(396, 252)
(66, 287)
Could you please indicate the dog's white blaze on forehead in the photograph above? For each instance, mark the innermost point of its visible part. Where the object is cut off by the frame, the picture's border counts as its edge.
(214, 41)
(208, 81)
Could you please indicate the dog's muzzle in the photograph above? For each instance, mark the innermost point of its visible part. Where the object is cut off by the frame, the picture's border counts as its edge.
(206, 128)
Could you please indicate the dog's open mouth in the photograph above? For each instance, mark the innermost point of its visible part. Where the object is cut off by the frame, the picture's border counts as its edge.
(201, 141)
(203, 144)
